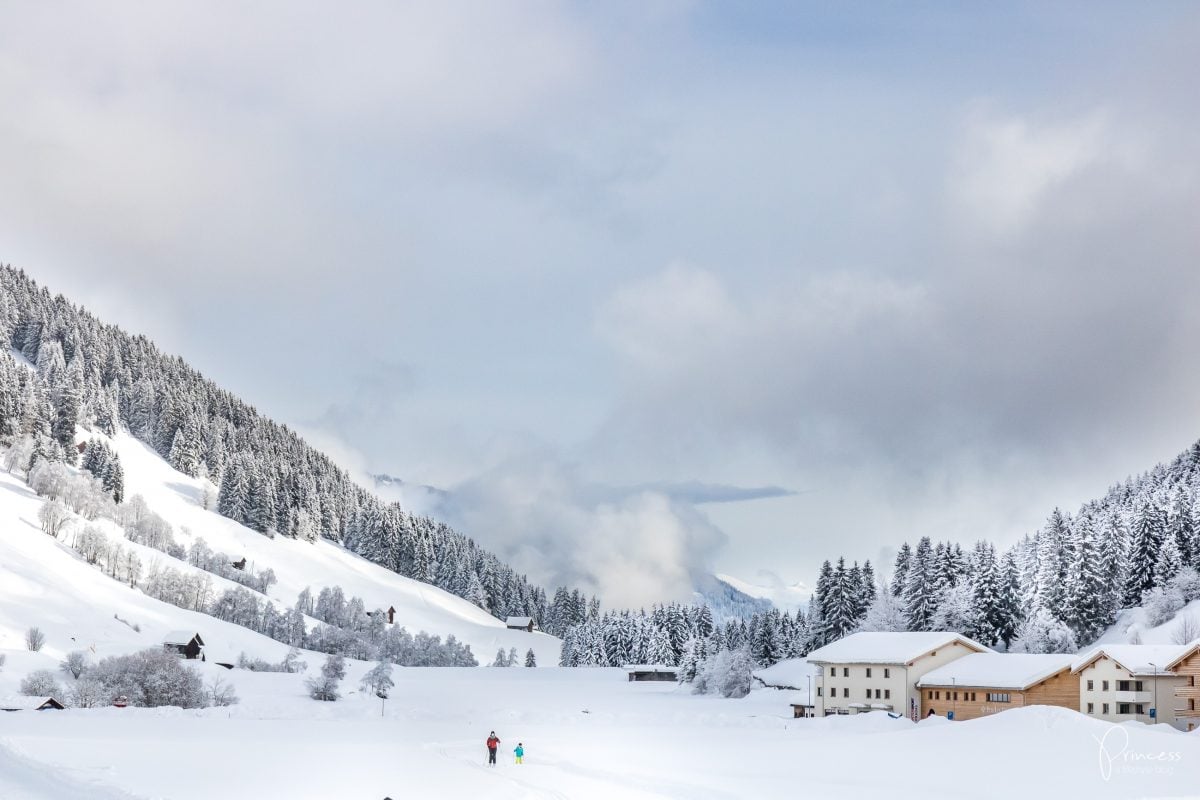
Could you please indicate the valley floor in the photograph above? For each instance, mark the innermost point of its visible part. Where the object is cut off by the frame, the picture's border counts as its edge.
(587, 733)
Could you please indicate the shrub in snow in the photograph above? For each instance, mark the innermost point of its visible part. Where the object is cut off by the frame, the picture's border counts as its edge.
(727, 674)
(1187, 583)
(291, 663)
(3, 658)
(221, 693)
(326, 686)
(41, 683)
(379, 679)
(35, 639)
(501, 659)
(530, 658)
(1187, 630)
(956, 610)
(75, 664)
(1160, 604)
(1042, 633)
(151, 678)
(88, 693)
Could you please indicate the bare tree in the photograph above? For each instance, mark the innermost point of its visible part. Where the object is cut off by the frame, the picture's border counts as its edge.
(75, 664)
(34, 639)
(1187, 631)
(53, 515)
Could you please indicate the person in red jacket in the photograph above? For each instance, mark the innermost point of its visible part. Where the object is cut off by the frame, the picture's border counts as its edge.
(493, 742)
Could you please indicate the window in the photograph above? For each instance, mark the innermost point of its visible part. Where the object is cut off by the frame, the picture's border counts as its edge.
(1091, 708)
(845, 672)
(868, 694)
(972, 697)
(1104, 708)
(1104, 685)
(819, 694)
(930, 693)
(1090, 686)
(845, 691)
(1139, 709)
(887, 673)
(998, 697)
(1122, 708)
(1130, 686)
(868, 672)
(876, 694)
(833, 672)
(937, 695)
(887, 694)
(1138, 686)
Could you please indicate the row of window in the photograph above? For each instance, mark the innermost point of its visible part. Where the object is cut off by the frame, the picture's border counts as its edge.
(887, 672)
(1122, 708)
(887, 693)
(936, 694)
(1122, 686)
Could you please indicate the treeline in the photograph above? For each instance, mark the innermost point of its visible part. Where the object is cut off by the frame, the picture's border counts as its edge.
(1058, 588)
(95, 375)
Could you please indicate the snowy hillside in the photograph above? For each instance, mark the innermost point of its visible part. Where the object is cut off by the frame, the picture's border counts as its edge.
(45, 584)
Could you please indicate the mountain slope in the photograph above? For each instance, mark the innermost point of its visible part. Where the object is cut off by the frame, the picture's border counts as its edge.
(45, 584)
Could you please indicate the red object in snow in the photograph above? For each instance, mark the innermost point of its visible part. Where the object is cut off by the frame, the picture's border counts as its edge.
(121, 702)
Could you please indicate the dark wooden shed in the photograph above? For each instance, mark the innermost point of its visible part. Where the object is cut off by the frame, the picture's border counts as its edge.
(188, 645)
(652, 672)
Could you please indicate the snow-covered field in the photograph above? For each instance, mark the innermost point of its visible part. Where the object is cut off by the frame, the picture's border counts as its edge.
(587, 732)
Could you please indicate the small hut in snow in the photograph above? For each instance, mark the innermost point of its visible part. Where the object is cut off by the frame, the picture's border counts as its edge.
(187, 644)
(519, 624)
(651, 672)
(23, 703)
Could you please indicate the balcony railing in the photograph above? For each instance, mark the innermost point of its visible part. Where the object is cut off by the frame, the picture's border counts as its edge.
(1134, 697)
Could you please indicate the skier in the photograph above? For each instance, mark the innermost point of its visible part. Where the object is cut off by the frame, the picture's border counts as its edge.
(492, 743)
(519, 752)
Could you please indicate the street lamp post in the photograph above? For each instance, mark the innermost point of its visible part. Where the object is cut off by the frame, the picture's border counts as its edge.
(953, 698)
(1154, 697)
(811, 702)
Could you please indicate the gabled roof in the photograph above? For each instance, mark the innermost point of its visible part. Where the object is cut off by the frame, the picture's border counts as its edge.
(1188, 650)
(998, 670)
(650, 668)
(19, 702)
(518, 622)
(1137, 659)
(889, 647)
(791, 673)
(182, 637)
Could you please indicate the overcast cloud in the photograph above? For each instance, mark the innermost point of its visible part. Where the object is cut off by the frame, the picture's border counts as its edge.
(648, 289)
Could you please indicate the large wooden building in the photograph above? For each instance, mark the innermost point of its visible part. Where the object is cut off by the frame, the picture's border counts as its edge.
(982, 684)
(1187, 690)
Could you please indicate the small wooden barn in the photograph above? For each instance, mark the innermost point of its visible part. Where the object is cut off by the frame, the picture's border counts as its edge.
(187, 644)
(23, 703)
(519, 624)
(651, 672)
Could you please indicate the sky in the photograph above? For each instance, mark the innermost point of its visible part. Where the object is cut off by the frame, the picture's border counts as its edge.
(639, 291)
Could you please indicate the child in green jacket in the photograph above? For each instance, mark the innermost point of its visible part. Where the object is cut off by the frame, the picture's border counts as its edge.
(519, 751)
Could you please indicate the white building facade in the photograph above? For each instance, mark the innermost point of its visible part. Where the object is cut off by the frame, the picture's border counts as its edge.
(880, 671)
(1123, 682)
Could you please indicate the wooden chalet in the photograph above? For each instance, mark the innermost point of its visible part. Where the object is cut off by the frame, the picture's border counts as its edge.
(519, 624)
(187, 644)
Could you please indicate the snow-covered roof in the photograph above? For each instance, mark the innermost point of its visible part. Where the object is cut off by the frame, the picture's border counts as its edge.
(889, 647)
(181, 637)
(650, 668)
(1138, 659)
(999, 670)
(518, 622)
(19, 702)
(792, 673)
